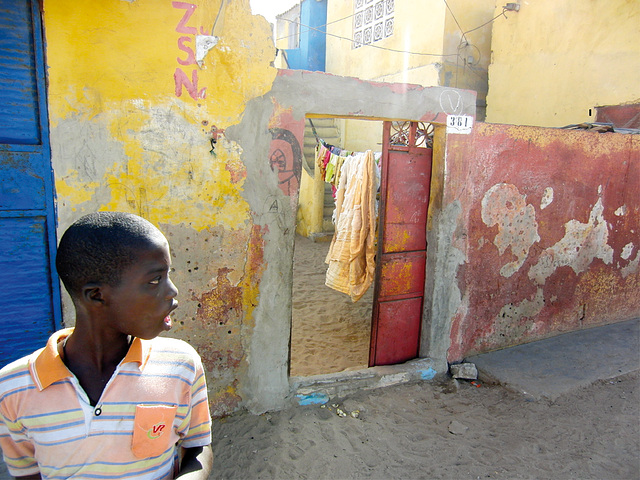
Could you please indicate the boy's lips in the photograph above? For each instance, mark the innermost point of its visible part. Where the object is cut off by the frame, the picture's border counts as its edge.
(167, 319)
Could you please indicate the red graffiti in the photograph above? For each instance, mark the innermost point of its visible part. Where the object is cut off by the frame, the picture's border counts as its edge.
(191, 85)
(191, 57)
(181, 79)
(182, 24)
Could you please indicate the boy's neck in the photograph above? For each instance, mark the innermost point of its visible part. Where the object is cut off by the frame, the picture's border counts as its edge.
(93, 357)
(99, 349)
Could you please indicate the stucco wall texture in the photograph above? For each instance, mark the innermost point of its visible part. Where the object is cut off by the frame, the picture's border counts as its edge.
(547, 230)
(206, 144)
(553, 62)
(531, 231)
(138, 118)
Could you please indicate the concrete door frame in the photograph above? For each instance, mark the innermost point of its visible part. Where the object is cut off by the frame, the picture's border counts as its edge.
(273, 197)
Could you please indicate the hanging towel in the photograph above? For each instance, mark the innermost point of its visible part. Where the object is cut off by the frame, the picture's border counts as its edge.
(351, 256)
(322, 155)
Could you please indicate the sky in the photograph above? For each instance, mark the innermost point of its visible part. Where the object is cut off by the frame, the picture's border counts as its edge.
(270, 8)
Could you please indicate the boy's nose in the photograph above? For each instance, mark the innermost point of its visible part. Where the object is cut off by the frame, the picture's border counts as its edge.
(173, 290)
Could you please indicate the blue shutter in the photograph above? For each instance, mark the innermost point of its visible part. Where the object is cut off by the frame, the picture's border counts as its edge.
(29, 295)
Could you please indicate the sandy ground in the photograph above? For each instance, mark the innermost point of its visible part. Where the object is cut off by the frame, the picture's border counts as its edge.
(427, 431)
(422, 430)
(329, 333)
(419, 431)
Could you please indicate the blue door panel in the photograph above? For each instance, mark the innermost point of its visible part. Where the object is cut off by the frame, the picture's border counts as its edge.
(29, 295)
(19, 115)
(25, 295)
(23, 181)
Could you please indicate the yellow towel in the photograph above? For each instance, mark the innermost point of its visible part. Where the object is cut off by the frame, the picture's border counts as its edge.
(351, 256)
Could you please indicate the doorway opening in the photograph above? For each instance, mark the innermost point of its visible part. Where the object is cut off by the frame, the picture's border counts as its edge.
(329, 332)
(381, 212)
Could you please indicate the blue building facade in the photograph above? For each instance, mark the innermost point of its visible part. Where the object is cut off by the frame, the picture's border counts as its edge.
(310, 55)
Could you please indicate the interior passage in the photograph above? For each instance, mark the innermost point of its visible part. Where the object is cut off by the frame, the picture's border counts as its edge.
(329, 333)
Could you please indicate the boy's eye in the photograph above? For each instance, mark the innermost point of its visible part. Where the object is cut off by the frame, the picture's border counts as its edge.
(156, 281)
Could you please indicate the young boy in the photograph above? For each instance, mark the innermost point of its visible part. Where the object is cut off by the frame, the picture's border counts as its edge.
(109, 399)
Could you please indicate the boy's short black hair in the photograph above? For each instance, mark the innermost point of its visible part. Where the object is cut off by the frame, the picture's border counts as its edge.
(99, 246)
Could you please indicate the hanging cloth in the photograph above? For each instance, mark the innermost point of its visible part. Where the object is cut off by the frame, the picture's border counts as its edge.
(351, 256)
(322, 158)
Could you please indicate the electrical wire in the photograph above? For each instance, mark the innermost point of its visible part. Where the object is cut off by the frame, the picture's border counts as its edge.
(217, 16)
(455, 19)
(464, 42)
(393, 49)
(319, 26)
(371, 45)
(501, 14)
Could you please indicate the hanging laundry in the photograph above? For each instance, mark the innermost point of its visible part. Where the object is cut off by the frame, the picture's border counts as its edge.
(351, 256)
(322, 158)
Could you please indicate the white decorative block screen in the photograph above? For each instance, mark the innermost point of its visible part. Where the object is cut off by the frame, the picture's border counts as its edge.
(372, 21)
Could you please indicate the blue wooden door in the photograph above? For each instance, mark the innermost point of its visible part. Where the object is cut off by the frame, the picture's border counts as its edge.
(29, 297)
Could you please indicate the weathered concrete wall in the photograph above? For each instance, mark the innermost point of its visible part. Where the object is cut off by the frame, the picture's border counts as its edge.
(209, 149)
(274, 124)
(134, 110)
(541, 233)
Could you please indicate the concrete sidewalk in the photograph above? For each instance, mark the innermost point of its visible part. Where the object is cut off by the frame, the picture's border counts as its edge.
(548, 368)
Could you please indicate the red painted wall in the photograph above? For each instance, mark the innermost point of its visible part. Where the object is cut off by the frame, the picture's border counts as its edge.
(550, 229)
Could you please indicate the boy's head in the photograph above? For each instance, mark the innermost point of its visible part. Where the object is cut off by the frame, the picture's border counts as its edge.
(100, 246)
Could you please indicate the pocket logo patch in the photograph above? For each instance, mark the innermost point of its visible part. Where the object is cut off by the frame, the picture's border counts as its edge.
(156, 431)
(152, 430)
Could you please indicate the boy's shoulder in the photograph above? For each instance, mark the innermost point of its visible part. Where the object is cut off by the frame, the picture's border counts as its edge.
(17, 373)
(174, 348)
(169, 343)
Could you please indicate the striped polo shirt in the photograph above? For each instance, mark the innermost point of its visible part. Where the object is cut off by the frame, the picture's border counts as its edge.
(155, 402)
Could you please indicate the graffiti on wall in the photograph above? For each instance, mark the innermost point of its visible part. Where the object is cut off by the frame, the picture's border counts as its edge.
(187, 45)
(285, 157)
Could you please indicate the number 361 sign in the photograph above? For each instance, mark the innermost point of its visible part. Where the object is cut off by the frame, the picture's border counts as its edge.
(459, 124)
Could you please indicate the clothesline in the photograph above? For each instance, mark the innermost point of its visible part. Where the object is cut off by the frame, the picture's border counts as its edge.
(330, 160)
(354, 178)
(351, 256)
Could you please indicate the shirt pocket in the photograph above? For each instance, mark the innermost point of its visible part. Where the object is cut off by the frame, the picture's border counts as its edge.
(152, 429)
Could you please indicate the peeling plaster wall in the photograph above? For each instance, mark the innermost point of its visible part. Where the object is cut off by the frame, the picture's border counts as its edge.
(209, 149)
(549, 230)
(137, 124)
(273, 196)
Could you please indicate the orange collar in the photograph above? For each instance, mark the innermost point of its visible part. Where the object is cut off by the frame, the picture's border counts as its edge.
(47, 366)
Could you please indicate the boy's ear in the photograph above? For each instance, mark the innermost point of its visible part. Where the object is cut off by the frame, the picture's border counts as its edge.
(92, 293)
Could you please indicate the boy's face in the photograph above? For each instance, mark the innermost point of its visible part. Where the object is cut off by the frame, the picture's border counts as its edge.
(140, 305)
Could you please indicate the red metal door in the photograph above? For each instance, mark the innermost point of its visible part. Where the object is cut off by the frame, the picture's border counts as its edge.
(402, 245)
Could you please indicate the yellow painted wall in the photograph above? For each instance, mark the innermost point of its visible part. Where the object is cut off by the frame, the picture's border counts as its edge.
(553, 61)
(310, 204)
(132, 118)
(467, 47)
(427, 28)
(361, 135)
(418, 27)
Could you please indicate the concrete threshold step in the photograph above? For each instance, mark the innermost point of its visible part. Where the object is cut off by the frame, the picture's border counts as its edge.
(320, 389)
